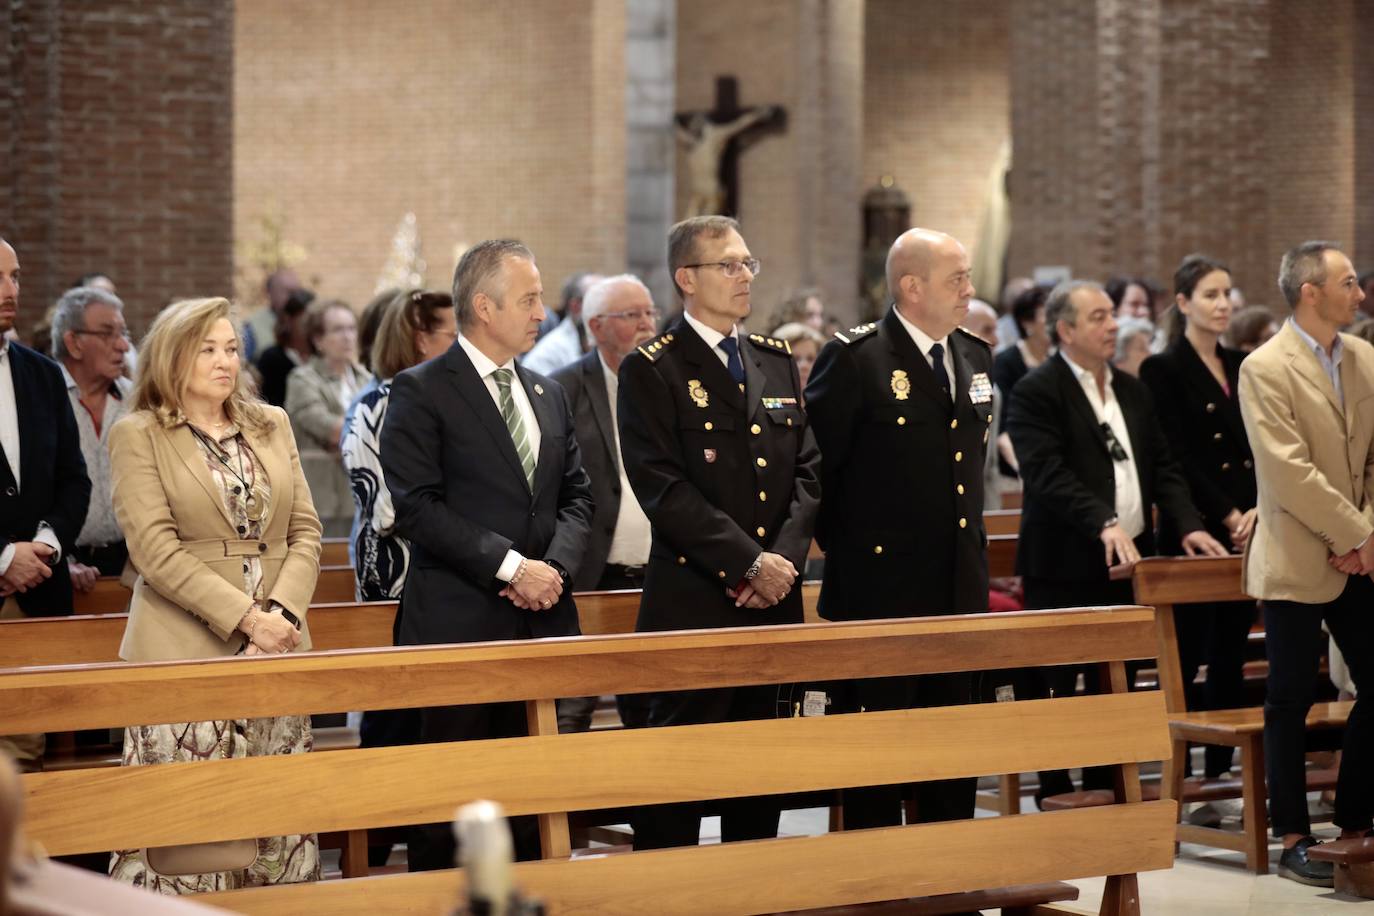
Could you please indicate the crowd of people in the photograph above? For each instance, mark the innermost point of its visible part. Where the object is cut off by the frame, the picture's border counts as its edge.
(488, 457)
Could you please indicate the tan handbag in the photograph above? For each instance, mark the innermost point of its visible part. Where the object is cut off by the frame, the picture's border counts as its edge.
(207, 858)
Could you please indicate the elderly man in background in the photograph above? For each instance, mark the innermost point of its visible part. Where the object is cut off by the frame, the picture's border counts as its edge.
(91, 343)
(620, 315)
(565, 343)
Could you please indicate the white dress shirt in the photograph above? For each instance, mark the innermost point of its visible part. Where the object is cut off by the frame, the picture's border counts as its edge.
(631, 540)
(9, 441)
(1130, 507)
(924, 342)
(486, 369)
(713, 339)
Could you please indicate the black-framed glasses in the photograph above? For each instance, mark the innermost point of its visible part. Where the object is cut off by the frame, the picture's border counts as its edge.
(1114, 446)
(732, 268)
(105, 334)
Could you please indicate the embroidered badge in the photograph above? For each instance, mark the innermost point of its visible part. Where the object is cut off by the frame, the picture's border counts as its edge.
(696, 392)
(709, 454)
(901, 385)
(980, 388)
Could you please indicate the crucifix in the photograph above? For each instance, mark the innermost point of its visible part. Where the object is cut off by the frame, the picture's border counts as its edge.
(713, 141)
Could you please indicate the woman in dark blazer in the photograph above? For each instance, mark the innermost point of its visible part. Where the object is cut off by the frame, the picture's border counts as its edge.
(1194, 383)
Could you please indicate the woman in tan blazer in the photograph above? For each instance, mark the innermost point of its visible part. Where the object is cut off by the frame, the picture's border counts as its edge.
(208, 489)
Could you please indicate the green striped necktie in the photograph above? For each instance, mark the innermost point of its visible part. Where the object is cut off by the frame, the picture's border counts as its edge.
(514, 423)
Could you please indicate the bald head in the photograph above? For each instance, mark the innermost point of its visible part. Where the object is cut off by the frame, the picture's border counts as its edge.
(9, 286)
(928, 279)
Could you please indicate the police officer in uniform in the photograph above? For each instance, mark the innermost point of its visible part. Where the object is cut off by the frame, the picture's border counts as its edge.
(901, 410)
(718, 452)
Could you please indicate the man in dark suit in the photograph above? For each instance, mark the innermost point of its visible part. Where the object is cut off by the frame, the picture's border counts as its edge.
(484, 471)
(719, 454)
(902, 411)
(44, 490)
(1094, 463)
(619, 314)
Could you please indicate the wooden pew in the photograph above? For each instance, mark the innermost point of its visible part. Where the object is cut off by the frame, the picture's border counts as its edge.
(109, 596)
(549, 774)
(1002, 521)
(334, 552)
(1165, 582)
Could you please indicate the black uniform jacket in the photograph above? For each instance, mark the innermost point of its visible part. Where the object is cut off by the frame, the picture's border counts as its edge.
(1205, 431)
(902, 473)
(53, 485)
(722, 474)
(1068, 474)
(462, 501)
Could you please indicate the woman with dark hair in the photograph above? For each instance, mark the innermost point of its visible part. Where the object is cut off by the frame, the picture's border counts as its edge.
(1131, 298)
(1194, 383)
(1031, 349)
(1249, 328)
(292, 348)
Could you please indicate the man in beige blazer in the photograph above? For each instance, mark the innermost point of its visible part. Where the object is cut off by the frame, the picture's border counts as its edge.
(1307, 397)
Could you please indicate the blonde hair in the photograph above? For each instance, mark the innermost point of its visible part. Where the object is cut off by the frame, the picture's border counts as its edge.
(165, 357)
(795, 331)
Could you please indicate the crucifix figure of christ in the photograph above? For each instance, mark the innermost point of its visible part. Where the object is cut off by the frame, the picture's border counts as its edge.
(713, 141)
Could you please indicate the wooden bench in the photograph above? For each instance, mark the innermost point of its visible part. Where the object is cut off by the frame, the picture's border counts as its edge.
(109, 596)
(334, 552)
(549, 774)
(1354, 861)
(1166, 582)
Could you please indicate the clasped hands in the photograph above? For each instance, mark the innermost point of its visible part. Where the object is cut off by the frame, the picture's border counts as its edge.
(268, 634)
(537, 588)
(771, 585)
(28, 568)
(1358, 562)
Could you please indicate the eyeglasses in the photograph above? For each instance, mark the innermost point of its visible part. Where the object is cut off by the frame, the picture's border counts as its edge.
(636, 316)
(450, 333)
(732, 268)
(1114, 446)
(105, 334)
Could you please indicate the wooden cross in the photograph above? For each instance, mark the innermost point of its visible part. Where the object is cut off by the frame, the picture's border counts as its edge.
(714, 140)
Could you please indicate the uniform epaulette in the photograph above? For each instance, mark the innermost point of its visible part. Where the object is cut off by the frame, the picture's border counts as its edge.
(974, 337)
(857, 333)
(771, 343)
(657, 347)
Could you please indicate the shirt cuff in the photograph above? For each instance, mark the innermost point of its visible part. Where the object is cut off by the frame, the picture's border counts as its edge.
(6, 558)
(45, 535)
(506, 571)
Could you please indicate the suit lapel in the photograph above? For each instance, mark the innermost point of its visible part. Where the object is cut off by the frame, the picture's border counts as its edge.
(549, 423)
(910, 358)
(754, 377)
(1305, 364)
(278, 473)
(474, 391)
(594, 380)
(963, 372)
(183, 442)
(1073, 394)
(26, 413)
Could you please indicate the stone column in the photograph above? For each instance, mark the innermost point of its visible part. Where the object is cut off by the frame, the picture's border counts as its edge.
(650, 89)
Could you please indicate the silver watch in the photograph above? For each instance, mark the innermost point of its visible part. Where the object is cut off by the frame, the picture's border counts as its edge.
(755, 568)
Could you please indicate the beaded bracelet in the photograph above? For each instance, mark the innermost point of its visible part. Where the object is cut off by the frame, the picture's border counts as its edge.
(519, 571)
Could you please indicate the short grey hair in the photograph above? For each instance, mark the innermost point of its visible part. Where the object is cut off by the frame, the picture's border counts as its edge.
(479, 270)
(70, 314)
(1304, 264)
(1060, 307)
(1127, 330)
(598, 295)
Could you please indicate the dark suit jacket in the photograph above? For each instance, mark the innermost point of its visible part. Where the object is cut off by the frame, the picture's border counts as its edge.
(1067, 471)
(722, 474)
(54, 487)
(1206, 433)
(590, 403)
(902, 477)
(462, 502)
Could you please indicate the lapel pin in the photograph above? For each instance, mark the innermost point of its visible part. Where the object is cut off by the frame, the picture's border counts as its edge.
(538, 388)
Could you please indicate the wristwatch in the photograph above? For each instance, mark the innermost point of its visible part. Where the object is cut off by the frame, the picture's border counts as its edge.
(1110, 522)
(755, 568)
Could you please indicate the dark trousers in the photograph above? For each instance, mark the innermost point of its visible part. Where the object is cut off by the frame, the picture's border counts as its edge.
(1215, 635)
(1294, 643)
(1060, 681)
(753, 818)
(937, 800)
(575, 713)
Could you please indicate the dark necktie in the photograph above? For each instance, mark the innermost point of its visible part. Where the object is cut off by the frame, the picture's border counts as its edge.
(731, 348)
(937, 365)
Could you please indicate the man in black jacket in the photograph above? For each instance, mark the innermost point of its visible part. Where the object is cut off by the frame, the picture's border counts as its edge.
(44, 490)
(485, 474)
(1094, 463)
(902, 410)
(619, 314)
(719, 454)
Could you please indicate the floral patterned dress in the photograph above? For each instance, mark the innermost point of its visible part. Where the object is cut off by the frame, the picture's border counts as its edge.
(281, 860)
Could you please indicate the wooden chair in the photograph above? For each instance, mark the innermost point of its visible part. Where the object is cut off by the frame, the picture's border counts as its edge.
(1166, 582)
(549, 775)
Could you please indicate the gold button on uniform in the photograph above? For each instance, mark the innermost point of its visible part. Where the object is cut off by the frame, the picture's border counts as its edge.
(761, 462)
(756, 429)
(789, 421)
(1211, 408)
(1216, 437)
(721, 574)
(988, 418)
(681, 561)
(953, 424)
(958, 456)
(1226, 465)
(963, 523)
(760, 531)
(960, 489)
(1248, 463)
(763, 496)
(878, 549)
(709, 426)
(901, 421)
